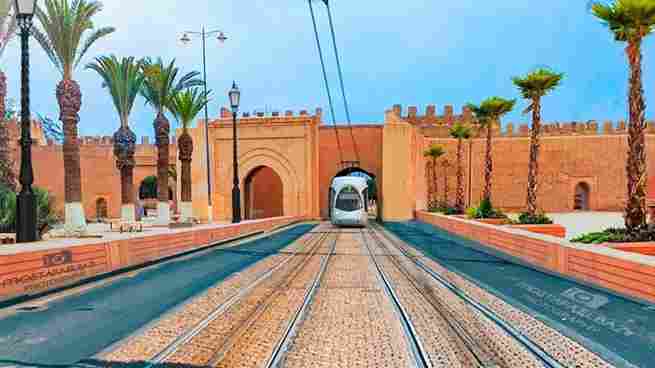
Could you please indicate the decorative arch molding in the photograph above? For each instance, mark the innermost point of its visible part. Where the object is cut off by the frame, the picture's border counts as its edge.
(282, 166)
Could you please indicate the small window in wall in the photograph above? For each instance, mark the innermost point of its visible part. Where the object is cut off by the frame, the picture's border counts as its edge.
(101, 209)
(581, 200)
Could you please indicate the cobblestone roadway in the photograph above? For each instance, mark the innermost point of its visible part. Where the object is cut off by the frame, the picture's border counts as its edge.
(351, 322)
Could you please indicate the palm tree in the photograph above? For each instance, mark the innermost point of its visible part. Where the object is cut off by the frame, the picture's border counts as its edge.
(631, 21)
(533, 87)
(123, 80)
(160, 86)
(460, 132)
(63, 27)
(7, 31)
(445, 164)
(488, 114)
(185, 106)
(433, 154)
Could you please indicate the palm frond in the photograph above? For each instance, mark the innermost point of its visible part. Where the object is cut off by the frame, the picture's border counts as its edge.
(161, 83)
(435, 151)
(491, 109)
(460, 131)
(538, 83)
(626, 19)
(47, 47)
(63, 24)
(186, 105)
(8, 24)
(98, 34)
(123, 80)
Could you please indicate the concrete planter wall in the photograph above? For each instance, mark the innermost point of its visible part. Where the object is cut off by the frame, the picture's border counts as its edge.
(646, 248)
(625, 273)
(548, 229)
(493, 221)
(34, 268)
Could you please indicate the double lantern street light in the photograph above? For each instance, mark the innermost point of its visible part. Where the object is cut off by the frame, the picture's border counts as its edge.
(186, 40)
(235, 98)
(26, 209)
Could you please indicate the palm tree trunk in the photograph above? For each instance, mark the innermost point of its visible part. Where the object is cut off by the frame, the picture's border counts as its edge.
(185, 147)
(429, 183)
(124, 147)
(433, 169)
(533, 165)
(445, 186)
(69, 98)
(459, 200)
(488, 167)
(162, 137)
(7, 175)
(635, 208)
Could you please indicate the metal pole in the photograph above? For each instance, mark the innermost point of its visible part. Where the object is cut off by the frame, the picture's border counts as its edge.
(204, 68)
(236, 193)
(26, 212)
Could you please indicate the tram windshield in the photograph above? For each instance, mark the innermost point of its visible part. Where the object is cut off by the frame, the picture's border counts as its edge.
(349, 200)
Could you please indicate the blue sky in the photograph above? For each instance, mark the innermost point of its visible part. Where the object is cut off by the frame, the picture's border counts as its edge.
(411, 52)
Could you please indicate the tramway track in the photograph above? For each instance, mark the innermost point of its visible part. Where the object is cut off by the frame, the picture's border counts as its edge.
(537, 351)
(314, 242)
(419, 353)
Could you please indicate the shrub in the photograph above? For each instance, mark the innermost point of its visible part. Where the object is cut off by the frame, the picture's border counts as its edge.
(645, 233)
(485, 211)
(538, 219)
(452, 211)
(46, 216)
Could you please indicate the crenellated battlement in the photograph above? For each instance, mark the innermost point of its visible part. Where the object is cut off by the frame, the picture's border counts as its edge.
(100, 141)
(275, 114)
(437, 126)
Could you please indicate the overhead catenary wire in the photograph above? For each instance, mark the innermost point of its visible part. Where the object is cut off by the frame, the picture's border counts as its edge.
(340, 72)
(325, 79)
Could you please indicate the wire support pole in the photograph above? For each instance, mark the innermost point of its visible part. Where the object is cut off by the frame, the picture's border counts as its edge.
(325, 80)
(340, 72)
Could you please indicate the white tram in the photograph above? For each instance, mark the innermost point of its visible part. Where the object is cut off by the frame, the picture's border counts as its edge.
(349, 201)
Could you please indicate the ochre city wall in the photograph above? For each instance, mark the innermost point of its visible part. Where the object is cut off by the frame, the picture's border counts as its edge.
(100, 178)
(27, 272)
(612, 269)
(571, 154)
(304, 153)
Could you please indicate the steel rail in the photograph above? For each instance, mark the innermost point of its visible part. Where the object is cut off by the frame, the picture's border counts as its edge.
(290, 332)
(268, 300)
(530, 345)
(218, 311)
(418, 351)
(460, 333)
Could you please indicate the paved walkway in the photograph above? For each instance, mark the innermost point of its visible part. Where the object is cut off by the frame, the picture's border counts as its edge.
(98, 234)
(578, 223)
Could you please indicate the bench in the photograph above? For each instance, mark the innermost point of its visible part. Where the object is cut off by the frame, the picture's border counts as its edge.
(126, 226)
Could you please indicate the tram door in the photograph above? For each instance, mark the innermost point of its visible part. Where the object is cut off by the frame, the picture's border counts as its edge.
(330, 200)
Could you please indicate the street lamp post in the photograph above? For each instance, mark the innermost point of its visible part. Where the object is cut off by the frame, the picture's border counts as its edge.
(26, 213)
(235, 99)
(186, 39)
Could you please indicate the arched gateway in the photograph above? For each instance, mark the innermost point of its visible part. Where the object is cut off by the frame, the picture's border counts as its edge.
(263, 194)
